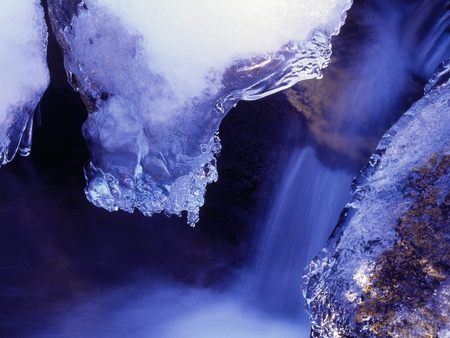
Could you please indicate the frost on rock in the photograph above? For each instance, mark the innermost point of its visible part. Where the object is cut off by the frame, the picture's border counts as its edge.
(24, 77)
(159, 76)
(386, 270)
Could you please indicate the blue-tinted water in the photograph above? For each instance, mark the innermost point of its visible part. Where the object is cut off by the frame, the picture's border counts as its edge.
(304, 212)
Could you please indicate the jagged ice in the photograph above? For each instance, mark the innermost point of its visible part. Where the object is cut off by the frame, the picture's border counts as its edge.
(158, 78)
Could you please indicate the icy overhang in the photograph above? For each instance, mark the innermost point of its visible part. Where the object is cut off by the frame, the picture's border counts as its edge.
(159, 76)
(24, 75)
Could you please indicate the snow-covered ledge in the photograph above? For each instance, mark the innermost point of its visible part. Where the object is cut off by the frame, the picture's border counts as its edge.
(24, 76)
(159, 76)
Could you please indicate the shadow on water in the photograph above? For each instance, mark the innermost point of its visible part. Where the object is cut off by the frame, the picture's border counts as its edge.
(70, 270)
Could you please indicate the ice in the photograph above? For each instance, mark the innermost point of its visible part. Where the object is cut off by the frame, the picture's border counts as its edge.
(24, 73)
(159, 76)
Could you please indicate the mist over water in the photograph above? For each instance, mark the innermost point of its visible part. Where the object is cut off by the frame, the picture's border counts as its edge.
(170, 311)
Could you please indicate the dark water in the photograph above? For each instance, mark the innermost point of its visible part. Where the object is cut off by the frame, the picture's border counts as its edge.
(68, 269)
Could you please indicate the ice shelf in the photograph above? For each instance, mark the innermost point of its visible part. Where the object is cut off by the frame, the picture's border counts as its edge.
(159, 76)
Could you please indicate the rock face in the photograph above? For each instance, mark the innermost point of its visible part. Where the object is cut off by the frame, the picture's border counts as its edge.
(385, 271)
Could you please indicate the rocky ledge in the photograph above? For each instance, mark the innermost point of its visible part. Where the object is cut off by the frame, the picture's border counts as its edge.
(385, 270)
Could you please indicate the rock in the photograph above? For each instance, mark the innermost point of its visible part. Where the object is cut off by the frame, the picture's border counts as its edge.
(385, 270)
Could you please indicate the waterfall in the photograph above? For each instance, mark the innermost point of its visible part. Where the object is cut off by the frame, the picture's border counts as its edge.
(304, 212)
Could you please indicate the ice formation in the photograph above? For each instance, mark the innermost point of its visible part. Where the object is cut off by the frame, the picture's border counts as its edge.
(23, 48)
(159, 76)
(385, 272)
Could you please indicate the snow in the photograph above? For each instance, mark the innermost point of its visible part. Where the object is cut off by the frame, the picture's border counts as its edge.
(184, 41)
(23, 46)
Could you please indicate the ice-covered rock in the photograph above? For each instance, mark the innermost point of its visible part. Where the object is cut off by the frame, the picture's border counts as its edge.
(24, 75)
(386, 270)
(159, 76)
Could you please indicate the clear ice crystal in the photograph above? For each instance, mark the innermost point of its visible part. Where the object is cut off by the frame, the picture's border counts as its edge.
(159, 76)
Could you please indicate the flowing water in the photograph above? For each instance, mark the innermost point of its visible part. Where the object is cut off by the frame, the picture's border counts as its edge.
(306, 208)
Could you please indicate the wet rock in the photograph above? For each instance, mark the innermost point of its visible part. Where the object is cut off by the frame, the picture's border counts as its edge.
(385, 271)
